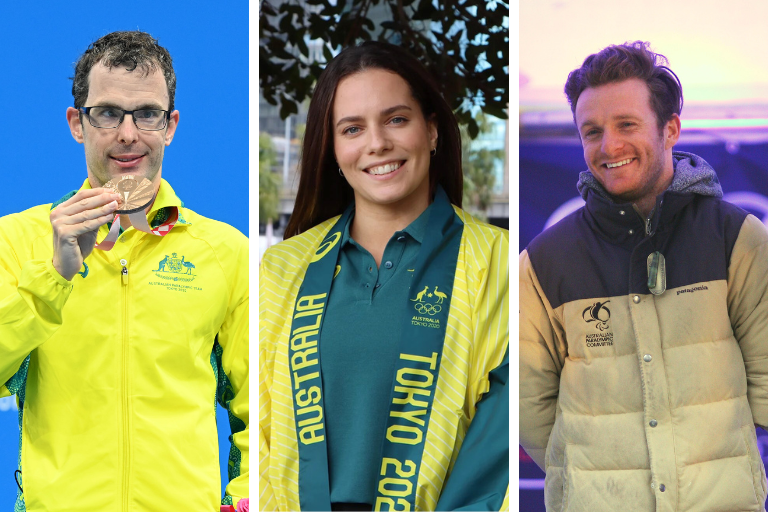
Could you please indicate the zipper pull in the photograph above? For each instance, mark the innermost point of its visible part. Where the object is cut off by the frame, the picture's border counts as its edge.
(657, 273)
(656, 211)
(124, 272)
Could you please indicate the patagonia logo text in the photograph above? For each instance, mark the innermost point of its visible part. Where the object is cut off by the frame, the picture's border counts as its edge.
(691, 290)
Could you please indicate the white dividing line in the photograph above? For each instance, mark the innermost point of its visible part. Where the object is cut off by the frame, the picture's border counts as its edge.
(532, 483)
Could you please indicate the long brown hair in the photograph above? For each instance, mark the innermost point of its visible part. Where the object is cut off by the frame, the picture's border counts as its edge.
(322, 192)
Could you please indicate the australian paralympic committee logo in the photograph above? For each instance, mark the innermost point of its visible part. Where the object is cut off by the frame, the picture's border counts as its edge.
(174, 268)
(599, 314)
(428, 303)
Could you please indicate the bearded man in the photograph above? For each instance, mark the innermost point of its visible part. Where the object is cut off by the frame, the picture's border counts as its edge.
(644, 314)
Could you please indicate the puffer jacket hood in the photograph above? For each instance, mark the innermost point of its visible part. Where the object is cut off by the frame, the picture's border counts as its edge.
(692, 174)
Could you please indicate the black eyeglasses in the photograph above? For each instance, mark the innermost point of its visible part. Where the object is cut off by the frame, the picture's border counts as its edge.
(111, 117)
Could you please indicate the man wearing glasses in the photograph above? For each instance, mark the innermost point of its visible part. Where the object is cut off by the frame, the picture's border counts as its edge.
(119, 337)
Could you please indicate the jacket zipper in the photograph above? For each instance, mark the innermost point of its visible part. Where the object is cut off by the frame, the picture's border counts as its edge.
(646, 220)
(124, 370)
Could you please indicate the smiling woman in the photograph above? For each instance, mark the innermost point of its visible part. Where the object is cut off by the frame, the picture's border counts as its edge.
(383, 358)
(383, 148)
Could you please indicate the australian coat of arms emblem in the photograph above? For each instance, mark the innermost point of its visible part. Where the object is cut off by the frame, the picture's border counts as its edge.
(175, 268)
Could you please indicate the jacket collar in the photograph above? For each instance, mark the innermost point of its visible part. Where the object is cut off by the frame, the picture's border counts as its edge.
(624, 225)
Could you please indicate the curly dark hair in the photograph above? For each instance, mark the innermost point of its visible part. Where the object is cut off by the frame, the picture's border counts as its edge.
(132, 50)
(617, 63)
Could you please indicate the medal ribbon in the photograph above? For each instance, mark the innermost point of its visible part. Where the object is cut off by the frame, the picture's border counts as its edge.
(139, 221)
(418, 365)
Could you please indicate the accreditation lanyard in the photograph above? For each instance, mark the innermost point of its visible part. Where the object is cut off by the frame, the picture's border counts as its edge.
(425, 314)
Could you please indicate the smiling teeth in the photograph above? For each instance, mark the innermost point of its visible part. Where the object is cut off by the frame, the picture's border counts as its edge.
(384, 169)
(618, 164)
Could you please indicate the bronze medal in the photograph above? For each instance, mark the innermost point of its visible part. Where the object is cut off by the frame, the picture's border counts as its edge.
(135, 195)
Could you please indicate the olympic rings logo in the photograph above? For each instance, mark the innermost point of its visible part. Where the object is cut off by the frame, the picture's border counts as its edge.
(425, 308)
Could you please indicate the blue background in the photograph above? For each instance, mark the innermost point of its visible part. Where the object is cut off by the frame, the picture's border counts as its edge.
(207, 163)
(549, 172)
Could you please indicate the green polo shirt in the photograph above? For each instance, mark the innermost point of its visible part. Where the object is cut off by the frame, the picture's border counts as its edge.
(359, 346)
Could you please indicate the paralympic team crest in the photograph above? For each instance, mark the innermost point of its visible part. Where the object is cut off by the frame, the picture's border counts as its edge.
(598, 315)
(174, 268)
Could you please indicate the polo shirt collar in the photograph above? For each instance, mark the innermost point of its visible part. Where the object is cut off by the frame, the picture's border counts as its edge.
(416, 229)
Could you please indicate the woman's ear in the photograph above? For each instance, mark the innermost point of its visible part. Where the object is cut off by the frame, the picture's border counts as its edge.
(432, 130)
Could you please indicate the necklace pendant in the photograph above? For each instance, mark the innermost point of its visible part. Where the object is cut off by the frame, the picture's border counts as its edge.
(657, 273)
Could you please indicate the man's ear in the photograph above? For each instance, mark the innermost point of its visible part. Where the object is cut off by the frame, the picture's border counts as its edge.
(75, 124)
(173, 122)
(671, 131)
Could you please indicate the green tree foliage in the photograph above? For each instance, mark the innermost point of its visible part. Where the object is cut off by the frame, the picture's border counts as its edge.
(464, 44)
(269, 181)
(478, 165)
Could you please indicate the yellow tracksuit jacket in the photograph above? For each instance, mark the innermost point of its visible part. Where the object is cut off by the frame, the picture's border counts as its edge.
(477, 336)
(118, 372)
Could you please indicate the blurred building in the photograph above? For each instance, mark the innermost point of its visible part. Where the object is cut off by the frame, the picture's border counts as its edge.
(496, 139)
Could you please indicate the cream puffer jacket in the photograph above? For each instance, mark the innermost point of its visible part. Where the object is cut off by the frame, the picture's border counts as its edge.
(631, 400)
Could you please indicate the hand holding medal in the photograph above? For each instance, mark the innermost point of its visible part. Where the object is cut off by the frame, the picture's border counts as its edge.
(75, 223)
(135, 197)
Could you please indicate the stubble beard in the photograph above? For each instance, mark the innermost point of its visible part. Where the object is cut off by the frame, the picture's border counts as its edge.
(650, 183)
(98, 165)
(101, 172)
